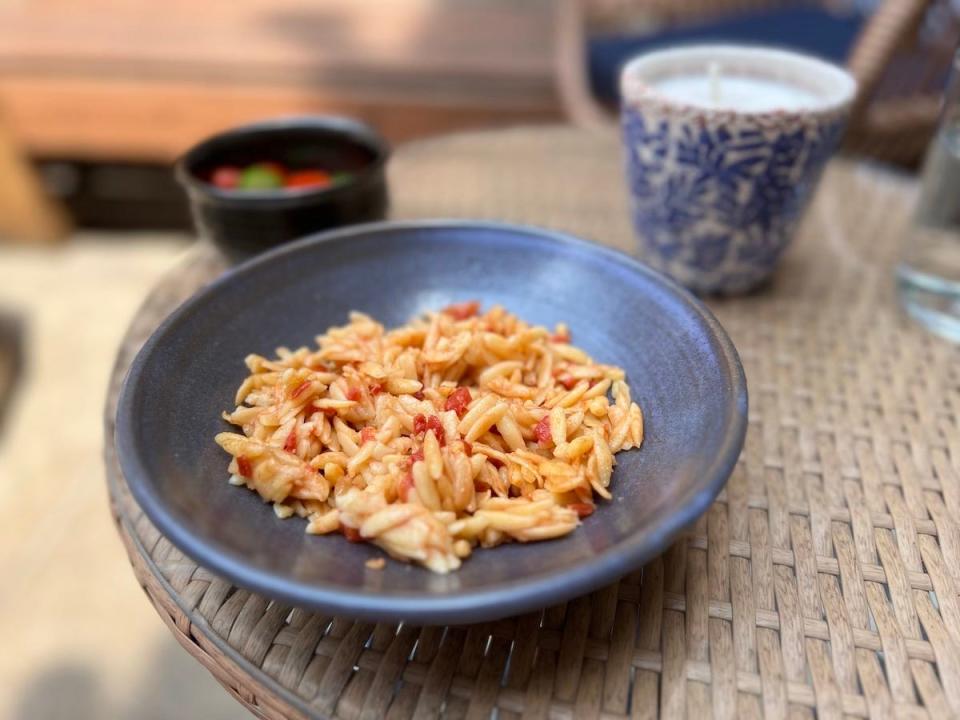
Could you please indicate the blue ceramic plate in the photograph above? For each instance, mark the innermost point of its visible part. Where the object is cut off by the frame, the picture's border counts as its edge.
(682, 367)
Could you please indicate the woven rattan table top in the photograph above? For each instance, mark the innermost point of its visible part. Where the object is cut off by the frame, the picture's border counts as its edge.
(823, 582)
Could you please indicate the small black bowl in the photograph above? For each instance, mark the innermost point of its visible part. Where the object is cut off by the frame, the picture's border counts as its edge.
(245, 222)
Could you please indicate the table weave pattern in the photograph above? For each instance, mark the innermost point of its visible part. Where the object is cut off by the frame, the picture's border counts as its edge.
(825, 580)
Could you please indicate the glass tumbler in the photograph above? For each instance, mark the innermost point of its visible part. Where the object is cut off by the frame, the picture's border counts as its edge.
(928, 276)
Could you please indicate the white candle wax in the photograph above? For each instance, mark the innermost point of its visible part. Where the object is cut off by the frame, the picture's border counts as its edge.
(735, 92)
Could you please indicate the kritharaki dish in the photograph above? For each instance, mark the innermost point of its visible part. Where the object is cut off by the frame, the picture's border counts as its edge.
(456, 430)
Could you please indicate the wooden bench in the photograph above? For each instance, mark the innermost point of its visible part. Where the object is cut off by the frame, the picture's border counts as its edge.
(140, 80)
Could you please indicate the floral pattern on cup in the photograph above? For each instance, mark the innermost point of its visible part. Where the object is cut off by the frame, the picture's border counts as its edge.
(716, 194)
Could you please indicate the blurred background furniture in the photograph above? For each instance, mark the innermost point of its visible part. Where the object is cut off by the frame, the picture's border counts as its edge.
(26, 213)
(820, 583)
(138, 80)
(103, 94)
(899, 50)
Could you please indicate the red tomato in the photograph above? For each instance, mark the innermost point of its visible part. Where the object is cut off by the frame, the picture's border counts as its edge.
(567, 380)
(307, 179)
(351, 534)
(291, 444)
(542, 430)
(418, 455)
(462, 311)
(243, 465)
(300, 389)
(458, 401)
(404, 486)
(367, 435)
(468, 447)
(418, 394)
(353, 393)
(419, 424)
(225, 177)
(422, 423)
(582, 509)
(375, 388)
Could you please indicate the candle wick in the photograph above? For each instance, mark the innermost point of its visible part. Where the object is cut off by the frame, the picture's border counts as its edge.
(713, 72)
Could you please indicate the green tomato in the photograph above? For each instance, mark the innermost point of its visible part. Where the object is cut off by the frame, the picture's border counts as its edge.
(260, 177)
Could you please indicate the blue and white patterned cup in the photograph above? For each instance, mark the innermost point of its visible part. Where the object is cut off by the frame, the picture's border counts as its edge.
(724, 147)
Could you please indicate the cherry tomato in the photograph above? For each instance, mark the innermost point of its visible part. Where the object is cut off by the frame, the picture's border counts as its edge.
(542, 430)
(458, 401)
(308, 179)
(225, 177)
(262, 176)
(462, 311)
(300, 389)
(404, 486)
(582, 509)
(351, 534)
(422, 423)
(419, 423)
(433, 423)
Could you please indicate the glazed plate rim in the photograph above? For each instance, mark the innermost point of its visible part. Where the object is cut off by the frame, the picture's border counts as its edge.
(500, 600)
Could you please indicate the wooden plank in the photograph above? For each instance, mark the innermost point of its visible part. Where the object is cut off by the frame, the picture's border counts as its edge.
(498, 37)
(144, 81)
(156, 121)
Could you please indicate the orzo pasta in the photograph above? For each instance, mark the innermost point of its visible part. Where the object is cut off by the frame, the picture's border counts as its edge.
(454, 430)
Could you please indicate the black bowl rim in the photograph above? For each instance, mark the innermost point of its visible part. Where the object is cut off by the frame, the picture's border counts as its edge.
(475, 606)
(350, 128)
